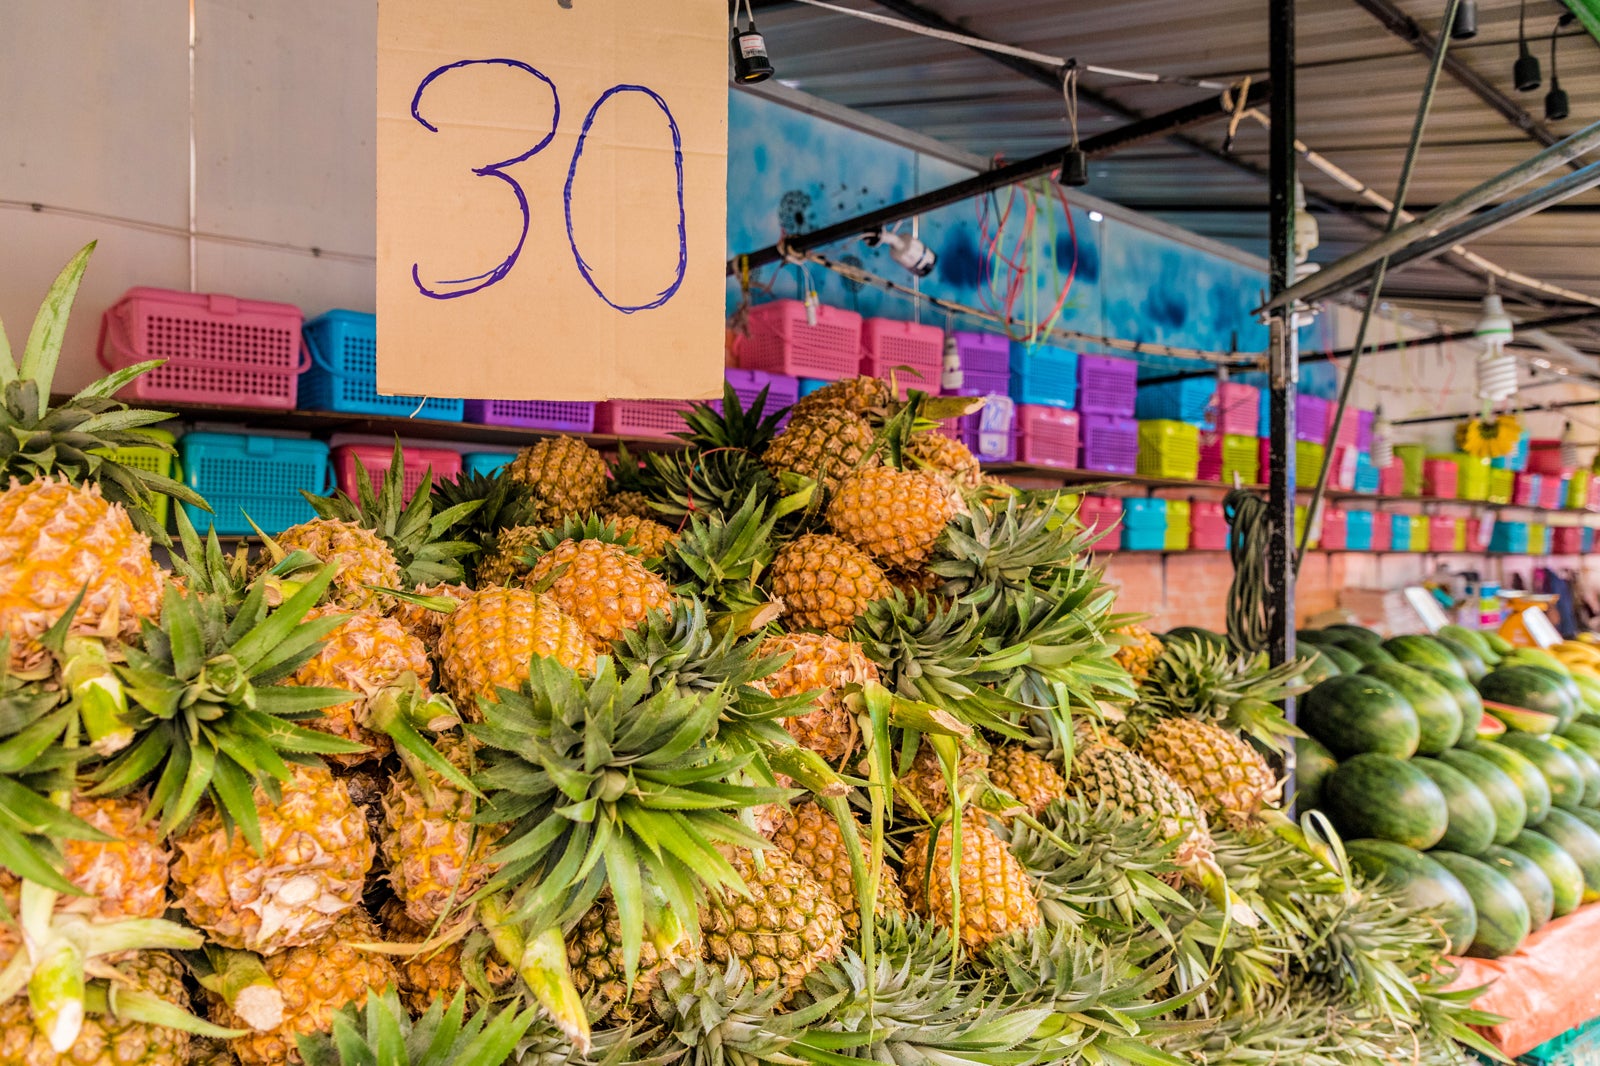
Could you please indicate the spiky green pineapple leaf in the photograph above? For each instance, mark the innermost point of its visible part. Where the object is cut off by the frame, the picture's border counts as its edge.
(383, 1033)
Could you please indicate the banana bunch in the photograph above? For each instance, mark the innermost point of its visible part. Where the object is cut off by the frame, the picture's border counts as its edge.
(1582, 658)
(1489, 439)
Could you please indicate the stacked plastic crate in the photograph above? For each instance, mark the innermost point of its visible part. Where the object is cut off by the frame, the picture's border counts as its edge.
(1102, 514)
(978, 364)
(1144, 523)
(1107, 395)
(1208, 526)
(1043, 382)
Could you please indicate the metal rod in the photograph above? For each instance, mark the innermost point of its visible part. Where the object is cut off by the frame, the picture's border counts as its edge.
(1283, 351)
(1452, 210)
(1022, 170)
(1562, 405)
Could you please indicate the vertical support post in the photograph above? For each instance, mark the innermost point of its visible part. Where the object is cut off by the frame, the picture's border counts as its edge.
(1283, 355)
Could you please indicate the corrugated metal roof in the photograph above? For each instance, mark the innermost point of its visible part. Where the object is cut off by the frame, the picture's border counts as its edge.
(1357, 85)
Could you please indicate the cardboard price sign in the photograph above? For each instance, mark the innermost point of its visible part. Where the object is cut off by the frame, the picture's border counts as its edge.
(552, 198)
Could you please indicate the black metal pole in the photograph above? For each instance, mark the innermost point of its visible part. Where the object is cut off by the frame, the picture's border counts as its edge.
(1022, 170)
(1557, 406)
(1283, 363)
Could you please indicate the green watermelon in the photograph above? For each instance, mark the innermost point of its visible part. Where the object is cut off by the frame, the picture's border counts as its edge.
(1588, 816)
(1470, 660)
(1417, 650)
(1471, 827)
(1574, 837)
(1502, 793)
(1339, 656)
(1377, 795)
(1438, 714)
(1466, 698)
(1585, 736)
(1316, 667)
(1588, 769)
(1312, 764)
(1535, 789)
(1470, 638)
(1528, 879)
(1523, 720)
(1566, 876)
(1532, 687)
(1421, 883)
(1369, 654)
(1503, 918)
(1560, 772)
(1497, 644)
(1355, 713)
(1341, 633)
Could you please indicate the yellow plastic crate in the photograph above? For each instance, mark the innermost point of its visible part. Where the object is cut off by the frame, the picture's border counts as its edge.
(154, 460)
(1169, 449)
(1472, 479)
(1241, 455)
(1178, 526)
(1411, 457)
(1419, 531)
(1501, 485)
(1307, 463)
(1578, 491)
(1461, 535)
(1538, 538)
(1300, 522)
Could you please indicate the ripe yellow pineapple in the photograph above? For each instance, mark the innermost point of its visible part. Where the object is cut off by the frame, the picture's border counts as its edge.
(814, 841)
(824, 444)
(895, 516)
(434, 853)
(824, 582)
(997, 898)
(315, 981)
(1137, 658)
(57, 540)
(1030, 778)
(604, 587)
(364, 558)
(1219, 768)
(933, 451)
(567, 476)
(649, 537)
(818, 661)
(368, 653)
(312, 869)
(785, 928)
(434, 971)
(126, 877)
(913, 583)
(506, 563)
(627, 504)
(595, 959)
(858, 395)
(421, 622)
(106, 1039)
(487, 642)
(1124, 780)
(925, 779)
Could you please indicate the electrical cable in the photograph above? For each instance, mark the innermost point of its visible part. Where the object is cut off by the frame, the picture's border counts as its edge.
(1250, 522)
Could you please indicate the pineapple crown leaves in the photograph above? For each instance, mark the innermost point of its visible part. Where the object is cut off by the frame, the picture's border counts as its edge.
(718, 1017)
(210, 713)
(1209, 682)
(502, 503)
(733, 426)
(411, 529)
(683, 652)
(383, 1033)
(606, 783)
(714, 481)
(990, 553)
(1057, 638)
(78, 438)
(721, 557)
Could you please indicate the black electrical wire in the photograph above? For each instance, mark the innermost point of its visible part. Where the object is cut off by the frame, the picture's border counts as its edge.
(1250, 521)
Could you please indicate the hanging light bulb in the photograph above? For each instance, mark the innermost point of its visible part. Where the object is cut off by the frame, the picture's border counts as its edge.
(1465, 26)
(1382, 448)
(1556, 104)
(1525, 71)
(750, 62)
(1307, 235)
(1497, 369)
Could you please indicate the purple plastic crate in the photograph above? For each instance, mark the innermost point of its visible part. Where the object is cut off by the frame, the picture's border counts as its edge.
(1110, 443)
(782, 390)
(983, 383)
(988, 353)
(1107, 385)
(1364, 431)
(990, 433)
(1311, 418)
(562, 415)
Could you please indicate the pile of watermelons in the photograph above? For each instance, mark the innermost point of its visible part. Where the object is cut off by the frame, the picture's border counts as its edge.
(1462, 770)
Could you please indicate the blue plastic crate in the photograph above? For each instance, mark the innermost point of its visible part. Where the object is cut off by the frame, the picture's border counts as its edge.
(1517, 460)
(1510, 538)
(485, 462)
(1358, 531)
(1189, 400)
(1586, 541)
(1144, 514)
(1367, 476)
(810, 385)
(1399, 533)
(1145, 540)
(264, 476)
(1264, 414)
(1044, 375)
(344, 372)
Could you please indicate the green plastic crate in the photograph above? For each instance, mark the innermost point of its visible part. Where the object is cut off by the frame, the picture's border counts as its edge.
(1300, 521)
(1411, 457)
(1178, 526)
(153, 460)
(1501, 484)
(1472, 483)
(1169, 449)
(1307, 463)
(1578, 491)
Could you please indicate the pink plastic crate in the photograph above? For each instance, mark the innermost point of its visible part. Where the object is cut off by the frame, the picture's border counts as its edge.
(1342, 471)
(1477, 539)
(1392, 479)
(1349, 428)
(561, 416)
(640, 418)
(1110, 444)
(1544, 457)
(1107, 385)
(1049, 435)
(1442, 533)
(218, 349)
(1335, 529)
(1594, 494)
(1382, 529)
(1103, 513)
(1566, 540)
(444, 463)
(1552, 492)
(1525, 489)
(782, 390)
(1208, 526)
(1238, 409)
(912, 353)
(1439, 478)
(986, 353)
(781, 341)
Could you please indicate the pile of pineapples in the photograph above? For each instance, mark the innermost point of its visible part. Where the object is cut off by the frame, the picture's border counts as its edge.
(794, 744)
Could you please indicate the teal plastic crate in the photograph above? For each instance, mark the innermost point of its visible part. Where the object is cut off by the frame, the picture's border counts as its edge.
(485, 462)
(1044, 375)
(241, 473)
(343, 375)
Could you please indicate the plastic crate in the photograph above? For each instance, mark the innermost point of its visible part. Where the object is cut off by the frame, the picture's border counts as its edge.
(782, 341)
(1501, 485)
(1349, 428)
(1421, 532)
(1510, 538)
(1311, 418)
(1472, 481)
(1367, 477)
(1579, 1046)
(658, 419)
(1307, 463)
(155, 460)
(1594, 495)
(443, 463)
(1544, 457)
(1315, 538)
(990, 433)
(1186, 400)
(1517, 461)
(908, 352)
(219, 349)
(1342, 471)
(1577, 497)
(1566, 540)
(1208, 526)
(1048, 436)
(1107, 385)
(1525, 489)
(1475, 539)
(1169, 449)
(1588, 540)
(1178, 526)
(982, 381)
(1263, 412)
(1400, 530)
(1041, 374)
(1236, 409)
(558, 416)
(1392, 479)
(1358, 531)
(1382, 531)
(1552, 492)
(810, 385)
(1439, 475)
(1364, 420)
(343, 375)
(1411, 458)
(1442, 533)
(1224, 454)
(240, 473)
(1538, 538)
(1102, 513)
(782, 390)
(984, 353)
(1335, 529)
(485, 463)
(1110, 444)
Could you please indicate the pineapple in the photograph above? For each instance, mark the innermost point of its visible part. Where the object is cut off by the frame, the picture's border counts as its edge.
(434, 853)
(824, 582)
(125, 877)
(823, 445)
(650, 538)
(437, 969)
(1138, 657)
(1031, 779)
(506, 563)
(603, 586)
(629, 503)
(106, 1039)
(367, 654)
(859, 395)
(1140, 789)
(829, 666)
(311, 868)
(594, 957)
(931, 450)
(925, 783)
(385, 1034)
(486, 642)
(813, 839)
(996, 897)
(422, 622)
(316, 981)
(566, 475)
(786, 927)
(1220, 769)
(364, 559)
(895, 516)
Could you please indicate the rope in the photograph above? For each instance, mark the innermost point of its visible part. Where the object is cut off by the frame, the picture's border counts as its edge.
(1251, 524)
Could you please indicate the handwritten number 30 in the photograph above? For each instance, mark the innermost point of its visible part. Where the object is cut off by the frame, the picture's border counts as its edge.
(448, 290)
